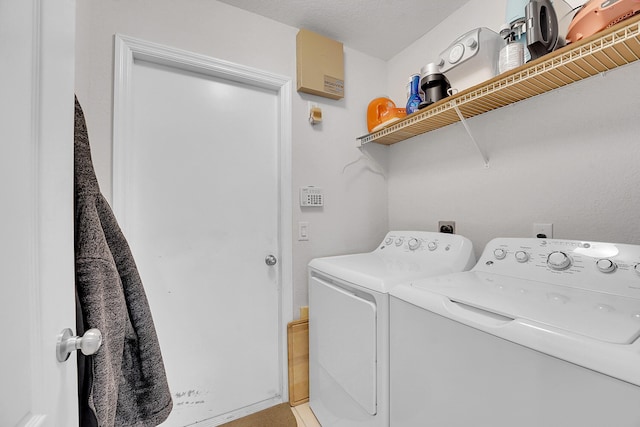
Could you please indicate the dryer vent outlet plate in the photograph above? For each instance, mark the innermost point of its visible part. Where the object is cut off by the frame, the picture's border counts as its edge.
(447, 227)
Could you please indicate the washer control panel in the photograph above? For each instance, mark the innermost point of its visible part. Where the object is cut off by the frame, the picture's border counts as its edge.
(604, 267)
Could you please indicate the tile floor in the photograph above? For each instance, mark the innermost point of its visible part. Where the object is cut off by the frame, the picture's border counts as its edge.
(304, 416)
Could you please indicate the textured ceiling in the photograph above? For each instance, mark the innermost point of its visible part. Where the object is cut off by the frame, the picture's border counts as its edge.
(380, 28)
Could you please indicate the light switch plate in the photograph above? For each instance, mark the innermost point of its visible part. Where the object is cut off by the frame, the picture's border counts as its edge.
(303, 231)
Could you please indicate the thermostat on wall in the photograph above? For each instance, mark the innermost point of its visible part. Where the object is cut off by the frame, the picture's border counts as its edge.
(311, 196)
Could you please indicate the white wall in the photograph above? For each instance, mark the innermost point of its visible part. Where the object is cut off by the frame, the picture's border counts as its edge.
(487, 13)
(354, 218)
(569, 157)
(566, 157)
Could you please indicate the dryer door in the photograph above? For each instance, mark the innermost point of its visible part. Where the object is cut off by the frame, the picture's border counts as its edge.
(342, 338)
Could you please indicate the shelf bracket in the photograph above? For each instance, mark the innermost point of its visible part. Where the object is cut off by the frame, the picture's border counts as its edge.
(485, 159)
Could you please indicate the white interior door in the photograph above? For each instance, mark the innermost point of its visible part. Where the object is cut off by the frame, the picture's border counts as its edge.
(201, 206)
(36, 231)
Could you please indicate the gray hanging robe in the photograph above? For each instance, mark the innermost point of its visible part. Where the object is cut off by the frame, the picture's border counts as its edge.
(124, 383)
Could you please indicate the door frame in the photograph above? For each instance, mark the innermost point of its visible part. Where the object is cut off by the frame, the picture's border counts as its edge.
(128, 50)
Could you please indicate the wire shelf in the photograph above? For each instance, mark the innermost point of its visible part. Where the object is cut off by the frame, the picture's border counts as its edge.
(604, 51)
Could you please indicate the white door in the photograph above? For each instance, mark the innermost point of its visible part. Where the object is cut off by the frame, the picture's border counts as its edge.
(200, 202)
(36, 226)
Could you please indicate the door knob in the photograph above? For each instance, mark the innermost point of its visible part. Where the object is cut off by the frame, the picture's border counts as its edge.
(88, 344)
(270, 260)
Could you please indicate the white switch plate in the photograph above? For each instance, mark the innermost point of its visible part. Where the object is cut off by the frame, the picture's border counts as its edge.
(303, 231)
(545, 230)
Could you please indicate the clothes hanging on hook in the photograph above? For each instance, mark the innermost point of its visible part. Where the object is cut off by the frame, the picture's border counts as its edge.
(124, 383)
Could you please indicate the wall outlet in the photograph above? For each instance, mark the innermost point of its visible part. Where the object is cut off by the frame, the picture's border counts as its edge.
(447, 227)
(543, 231)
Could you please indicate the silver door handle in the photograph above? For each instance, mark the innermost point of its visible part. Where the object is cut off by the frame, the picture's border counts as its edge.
(88, 344)
(270, 260)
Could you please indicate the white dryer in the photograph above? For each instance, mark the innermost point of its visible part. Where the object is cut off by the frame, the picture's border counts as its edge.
(349, 321)
(538, 333)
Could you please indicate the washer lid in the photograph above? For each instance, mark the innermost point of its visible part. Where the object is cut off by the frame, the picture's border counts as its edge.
(377, 272)
(597, 315)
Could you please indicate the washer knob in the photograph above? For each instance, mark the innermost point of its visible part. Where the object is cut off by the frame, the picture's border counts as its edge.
(388, 241)
(414, 243)
(522, 256)
(432, 246)
(606, 265)
(499, 253)
(558, 260)
(472, 43)
(637, 268)
(399, 241)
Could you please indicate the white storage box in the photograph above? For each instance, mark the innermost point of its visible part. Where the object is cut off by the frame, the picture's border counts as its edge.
(471, 59)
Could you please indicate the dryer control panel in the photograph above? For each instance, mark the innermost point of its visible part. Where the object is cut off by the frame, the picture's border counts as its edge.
(612, 268)
(428, 248)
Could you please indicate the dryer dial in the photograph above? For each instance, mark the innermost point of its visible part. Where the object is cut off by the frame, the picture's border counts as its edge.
(414, 243)
(558, 260)
(432, 246)
(522, 256)
(499, 253)
(399, 241)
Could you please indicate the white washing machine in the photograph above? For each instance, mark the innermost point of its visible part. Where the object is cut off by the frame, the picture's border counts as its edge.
(538, 333)
(349, 321)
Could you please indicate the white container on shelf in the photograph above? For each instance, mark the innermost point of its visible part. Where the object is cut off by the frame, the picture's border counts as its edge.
(471, 59)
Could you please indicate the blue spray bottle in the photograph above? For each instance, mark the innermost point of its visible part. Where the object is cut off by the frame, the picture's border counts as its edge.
(413, 94)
